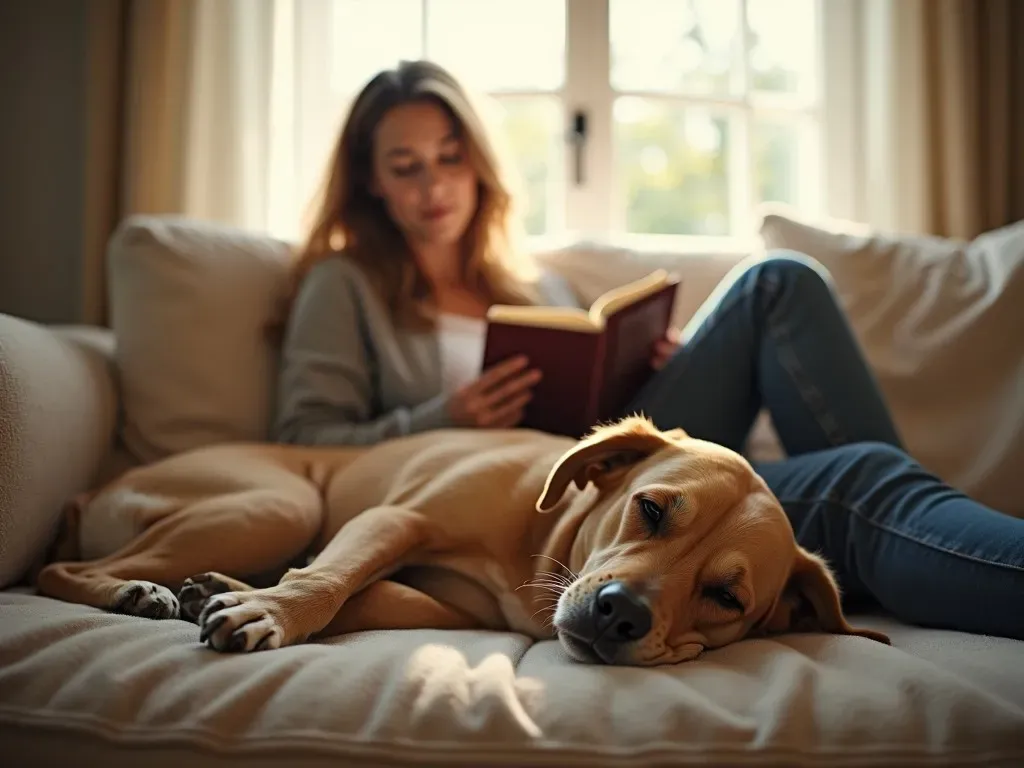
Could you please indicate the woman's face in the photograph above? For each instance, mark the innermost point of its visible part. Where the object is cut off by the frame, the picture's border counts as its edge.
(422, 173)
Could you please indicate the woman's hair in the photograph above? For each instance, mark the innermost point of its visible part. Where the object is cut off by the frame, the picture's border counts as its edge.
(348, 218)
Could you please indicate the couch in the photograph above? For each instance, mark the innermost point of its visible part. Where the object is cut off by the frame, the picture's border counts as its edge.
(190, 359)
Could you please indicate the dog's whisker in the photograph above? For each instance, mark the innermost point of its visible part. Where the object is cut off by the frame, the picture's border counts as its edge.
(548, 622)
(543, 582)
(556, 589)
(556, 577)
(555, 593)
(560, 563)
(547, 583)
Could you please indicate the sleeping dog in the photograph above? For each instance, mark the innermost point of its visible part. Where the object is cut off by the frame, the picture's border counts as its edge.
(631, 546)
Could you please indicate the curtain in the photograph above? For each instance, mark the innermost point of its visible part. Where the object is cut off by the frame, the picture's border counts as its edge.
(189, 104)
(943, 115)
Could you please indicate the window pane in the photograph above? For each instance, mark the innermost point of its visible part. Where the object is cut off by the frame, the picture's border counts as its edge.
(671, 167)
(518, 46)
(688, 46)
(786, 163)
(783, 41)
(531, 129)
(369, 37)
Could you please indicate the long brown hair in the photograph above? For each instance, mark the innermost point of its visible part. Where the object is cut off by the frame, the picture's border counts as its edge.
(350, 220)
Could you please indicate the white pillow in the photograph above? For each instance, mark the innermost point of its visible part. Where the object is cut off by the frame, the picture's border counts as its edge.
(942, 325)
(190, 306)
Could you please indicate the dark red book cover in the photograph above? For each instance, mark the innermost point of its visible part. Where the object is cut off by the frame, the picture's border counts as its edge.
(630, 335)
(593, 362)
(566, 396)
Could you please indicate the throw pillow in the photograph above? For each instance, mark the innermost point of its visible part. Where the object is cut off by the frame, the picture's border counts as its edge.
(941, 323)
(190, 307)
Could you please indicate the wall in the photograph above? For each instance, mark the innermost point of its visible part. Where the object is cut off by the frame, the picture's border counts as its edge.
(43, 84)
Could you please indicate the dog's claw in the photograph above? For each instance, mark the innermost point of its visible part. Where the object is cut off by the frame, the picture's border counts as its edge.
(232, 625)
(196, 592)
(237, 641)
(211, 626)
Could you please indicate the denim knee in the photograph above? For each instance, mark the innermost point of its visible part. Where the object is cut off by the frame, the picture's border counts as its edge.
(875, 456)
(796, 270)
(791, 277)
(873, 465)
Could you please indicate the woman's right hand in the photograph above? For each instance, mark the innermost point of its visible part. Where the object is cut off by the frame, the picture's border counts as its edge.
(496, 399)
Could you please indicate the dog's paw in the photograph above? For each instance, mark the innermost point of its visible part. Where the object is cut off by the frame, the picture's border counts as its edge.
(232, 623)
(196, 591)
(146, 599)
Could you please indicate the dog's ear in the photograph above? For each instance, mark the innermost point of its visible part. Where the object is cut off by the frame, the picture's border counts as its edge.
(810, 602)
(603, 456)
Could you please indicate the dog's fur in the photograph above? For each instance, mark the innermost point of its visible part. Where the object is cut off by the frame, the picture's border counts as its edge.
(515, 530)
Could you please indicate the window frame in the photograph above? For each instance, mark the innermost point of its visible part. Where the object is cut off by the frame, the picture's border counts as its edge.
(593, 208)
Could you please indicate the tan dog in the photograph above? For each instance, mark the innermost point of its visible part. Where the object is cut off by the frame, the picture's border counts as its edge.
(670, 545)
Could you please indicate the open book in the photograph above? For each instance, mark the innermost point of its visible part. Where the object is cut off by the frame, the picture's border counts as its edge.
(593, 361)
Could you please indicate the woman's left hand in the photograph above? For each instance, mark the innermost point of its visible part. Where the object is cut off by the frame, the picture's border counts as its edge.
(665, 348)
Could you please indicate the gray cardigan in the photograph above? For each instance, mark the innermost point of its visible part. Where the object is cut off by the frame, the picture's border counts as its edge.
(349, 376)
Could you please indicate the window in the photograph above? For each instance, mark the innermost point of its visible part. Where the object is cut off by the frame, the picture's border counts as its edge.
(694, 111)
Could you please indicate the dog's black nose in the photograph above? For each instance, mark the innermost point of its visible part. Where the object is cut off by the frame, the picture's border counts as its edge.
(620, 615)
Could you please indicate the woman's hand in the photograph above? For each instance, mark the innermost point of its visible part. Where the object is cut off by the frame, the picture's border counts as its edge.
(496, 399)
(665, 348)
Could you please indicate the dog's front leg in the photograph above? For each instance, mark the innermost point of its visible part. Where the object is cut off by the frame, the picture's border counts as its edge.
(368, 547)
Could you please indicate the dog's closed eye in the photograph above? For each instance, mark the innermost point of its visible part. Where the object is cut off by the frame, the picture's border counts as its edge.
(653, 513)
(723, 595)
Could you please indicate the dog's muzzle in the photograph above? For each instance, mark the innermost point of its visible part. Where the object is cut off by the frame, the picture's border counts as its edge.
(602, 628)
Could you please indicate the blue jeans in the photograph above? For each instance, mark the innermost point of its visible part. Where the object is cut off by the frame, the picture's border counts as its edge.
(775, 337)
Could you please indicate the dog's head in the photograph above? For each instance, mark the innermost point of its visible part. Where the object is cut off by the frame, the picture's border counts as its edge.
(686, 548)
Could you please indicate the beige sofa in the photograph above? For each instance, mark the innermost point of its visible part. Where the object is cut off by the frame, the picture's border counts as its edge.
(189, 361)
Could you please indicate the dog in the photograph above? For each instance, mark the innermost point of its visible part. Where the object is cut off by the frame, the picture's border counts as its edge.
(631, 545)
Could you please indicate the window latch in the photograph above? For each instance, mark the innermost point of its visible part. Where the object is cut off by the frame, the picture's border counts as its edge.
(577, 138)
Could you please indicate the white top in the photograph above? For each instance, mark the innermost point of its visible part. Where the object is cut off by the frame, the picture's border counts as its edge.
(462, 349)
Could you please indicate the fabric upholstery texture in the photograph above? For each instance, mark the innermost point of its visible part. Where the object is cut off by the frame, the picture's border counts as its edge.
(192, 307)
(115, 684)
(57, 418)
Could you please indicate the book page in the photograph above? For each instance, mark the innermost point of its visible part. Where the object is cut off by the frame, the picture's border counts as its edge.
(623, 296)
(563, 318)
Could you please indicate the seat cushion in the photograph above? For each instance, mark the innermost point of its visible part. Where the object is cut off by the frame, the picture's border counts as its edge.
(79, 686)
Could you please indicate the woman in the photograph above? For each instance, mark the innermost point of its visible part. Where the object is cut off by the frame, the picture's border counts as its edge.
(414, 240)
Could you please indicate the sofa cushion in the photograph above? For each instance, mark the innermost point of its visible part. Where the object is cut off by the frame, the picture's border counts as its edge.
(191, 305)
(80, 684)
(941, 324)
(58, 406)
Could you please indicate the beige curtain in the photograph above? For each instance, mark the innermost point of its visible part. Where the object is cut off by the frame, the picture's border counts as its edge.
(178, 118)
(944, 115)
